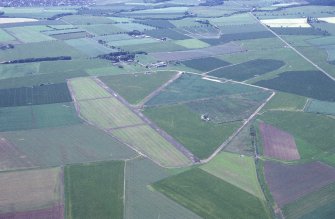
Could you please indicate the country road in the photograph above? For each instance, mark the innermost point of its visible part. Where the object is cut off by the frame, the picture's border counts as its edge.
(294, 49)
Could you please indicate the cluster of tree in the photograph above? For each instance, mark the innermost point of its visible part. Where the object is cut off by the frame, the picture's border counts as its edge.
(322, 2)
(120, 56)
(55, 17)
(38, 59)
(212, 3)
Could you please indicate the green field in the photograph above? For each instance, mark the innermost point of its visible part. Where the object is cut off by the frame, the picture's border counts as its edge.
(237, 170)
(150, 143)
(102, 29)
(219, 200)
(322, 107)
(38, 116)
(141, 200)
(94, 190)
(319, 204)
(87, 88)
(28, 35)
(205, 64)
(4, 36)
(286, 101)
(315, 143)
(167, 46)
(108, 113)
(192, 43)
(201, 138)
(135, 87)
(89, 47)
(66, 145)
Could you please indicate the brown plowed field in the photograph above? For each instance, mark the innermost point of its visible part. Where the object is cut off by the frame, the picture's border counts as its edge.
(56, 212)
(11, 157)
(287, 183)
(277, 143)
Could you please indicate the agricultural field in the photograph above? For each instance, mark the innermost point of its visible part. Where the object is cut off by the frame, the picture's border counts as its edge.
(167, 109)
(94, 190)
(135, 87)
(277, 143)
(60, 146)
(247, 70)
(36, 95)
(299, 180)
(237, 170)
(33, 192)
(223, 199)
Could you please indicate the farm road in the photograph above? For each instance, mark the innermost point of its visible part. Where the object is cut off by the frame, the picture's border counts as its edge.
(294, 49)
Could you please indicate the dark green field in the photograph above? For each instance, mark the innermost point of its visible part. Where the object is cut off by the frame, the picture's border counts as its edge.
(313, 84)
(226, 38)
(94, 190)
(205, 64)
(37, 116)
(168, 33)
(211, 197)
(53, 93)
(157, 23)
(247, 70)
(299, 31)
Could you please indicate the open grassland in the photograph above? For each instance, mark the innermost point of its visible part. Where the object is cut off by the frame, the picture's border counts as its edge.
(312, 84)
(299, 180)
(200, 137)
(94, 190)
(30, 190)
(87, 88)
(5, 37)
(89, 47)
(102, 29)
(52, 48)
(192, 43)
(191, 87)
(277, 143)
(314, 205)
(141, 201)
(63, 145)
(247, 70)
(286, 101)
(312, 139)
(135, 87)
(237, 170)
(28, 35)
(168, 33)
(149, 142)
(205, 64)
(37, 116)
(108, 113)
(219, 200)
(129, 42)
(234, 19)
(322, 107)
(53, 93)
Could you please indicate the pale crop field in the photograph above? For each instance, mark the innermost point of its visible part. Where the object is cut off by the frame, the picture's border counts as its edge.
(289, 22)
(16, 20)
(149, 142)
(327, 19)
(87, 88)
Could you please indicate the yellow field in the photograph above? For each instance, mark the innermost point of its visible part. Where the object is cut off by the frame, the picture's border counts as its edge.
(289, 22)
(108, 113)
(150, 143)
(87, 88)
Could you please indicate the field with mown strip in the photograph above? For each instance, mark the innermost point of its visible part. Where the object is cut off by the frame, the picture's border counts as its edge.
(237, 170)
(94, 190)
(200, 137)
(135, 87)
(37, 116)
(149, 142)
(314, 205)
(141, 200)
(30, 190)
(219, 200)
(108, 113)
(87, 88)
(63, 145)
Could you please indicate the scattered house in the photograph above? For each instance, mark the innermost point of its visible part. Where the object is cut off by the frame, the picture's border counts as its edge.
(158, 64)
(205, 117)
